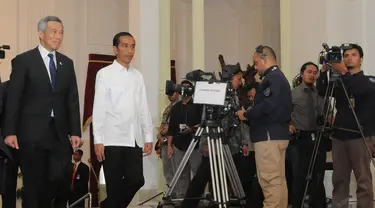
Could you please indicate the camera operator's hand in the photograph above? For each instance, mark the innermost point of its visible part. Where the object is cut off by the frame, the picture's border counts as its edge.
(338, 67)
(188, 129)
(241, 114)
(245, 150)
(292, 129)
(170, 151)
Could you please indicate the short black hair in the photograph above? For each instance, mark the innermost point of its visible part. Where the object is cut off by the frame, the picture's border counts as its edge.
(304, 66)
(264, 50)
(357, 47)
(116, 39)
(253, 85)
(80, 152)
(187, 82)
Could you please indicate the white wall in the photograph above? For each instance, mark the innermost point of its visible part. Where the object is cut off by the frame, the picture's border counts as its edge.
(232, 28)
(334, 22)
(235, 28)
(181, 37)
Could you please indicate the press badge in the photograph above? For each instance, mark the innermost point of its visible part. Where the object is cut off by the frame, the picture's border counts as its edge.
(182, 127)
(352, 102)
(313, 137)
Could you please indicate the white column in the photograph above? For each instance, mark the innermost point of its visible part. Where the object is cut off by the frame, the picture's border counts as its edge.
(165, 68)
(285, 37)
(165, 51)
(198, 34)
(144, 25)
(135, 29)
(301, 38)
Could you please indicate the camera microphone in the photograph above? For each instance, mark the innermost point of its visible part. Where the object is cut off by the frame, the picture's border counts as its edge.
(325, 46)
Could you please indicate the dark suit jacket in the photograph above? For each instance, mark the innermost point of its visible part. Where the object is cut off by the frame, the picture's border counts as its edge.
(81, 181)
(3, 147)
(31, 99)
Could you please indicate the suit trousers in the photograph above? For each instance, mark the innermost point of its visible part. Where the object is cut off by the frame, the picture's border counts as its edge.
(46, 170)
(123, 172)
(10, 186)
(347, 156)
(270, 163)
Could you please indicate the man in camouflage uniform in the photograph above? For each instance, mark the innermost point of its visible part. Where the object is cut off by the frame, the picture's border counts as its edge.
(162, 144)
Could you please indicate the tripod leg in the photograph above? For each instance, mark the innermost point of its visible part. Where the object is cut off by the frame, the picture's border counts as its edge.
(222, 169)
(224, 191)
(181, 167)
(216, 180)
(232, 170)
(211, 156)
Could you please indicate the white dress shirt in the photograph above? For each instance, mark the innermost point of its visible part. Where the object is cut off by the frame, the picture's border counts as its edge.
(120, 115)
(44, 53)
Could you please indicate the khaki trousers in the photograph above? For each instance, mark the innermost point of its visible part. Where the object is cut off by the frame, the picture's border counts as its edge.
(347, 156)
(270, 163)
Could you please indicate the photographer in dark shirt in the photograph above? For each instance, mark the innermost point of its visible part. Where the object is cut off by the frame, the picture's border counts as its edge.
(269, 121)
(185, 117)
(349, 151)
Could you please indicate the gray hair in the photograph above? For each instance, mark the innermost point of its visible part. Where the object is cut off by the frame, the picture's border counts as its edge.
(42, 24)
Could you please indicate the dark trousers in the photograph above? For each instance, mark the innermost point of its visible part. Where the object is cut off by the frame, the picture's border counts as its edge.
(123, 172)
(347, 156)
(246, 171)
(291, 168)
(10, 181)
(316, 192)
(46, 170)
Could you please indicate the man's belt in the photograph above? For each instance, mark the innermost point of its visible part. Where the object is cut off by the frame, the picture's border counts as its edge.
(306, 135)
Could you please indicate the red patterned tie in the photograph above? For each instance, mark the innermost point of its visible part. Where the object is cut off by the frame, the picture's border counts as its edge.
(74, 173)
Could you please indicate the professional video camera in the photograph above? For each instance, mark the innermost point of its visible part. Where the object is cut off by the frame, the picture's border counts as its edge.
(332, 55)
(2, 52)
(219, 106)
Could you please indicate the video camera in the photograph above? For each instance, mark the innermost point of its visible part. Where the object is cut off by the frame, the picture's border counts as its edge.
(2, 52)
(333, 54)
(216, 94)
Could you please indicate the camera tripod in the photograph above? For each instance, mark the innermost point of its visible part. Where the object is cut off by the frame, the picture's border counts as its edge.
(329, 110)
(221, 164)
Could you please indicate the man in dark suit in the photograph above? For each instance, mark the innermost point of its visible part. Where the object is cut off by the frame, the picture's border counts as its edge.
(80, 179)
(9, 161)
(42, 112)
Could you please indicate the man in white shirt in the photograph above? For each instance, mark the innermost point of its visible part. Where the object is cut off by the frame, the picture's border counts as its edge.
(121, 124)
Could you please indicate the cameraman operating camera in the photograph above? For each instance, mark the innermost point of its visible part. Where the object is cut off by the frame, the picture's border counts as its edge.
(269, 123)
(185, 117)
(349, 151)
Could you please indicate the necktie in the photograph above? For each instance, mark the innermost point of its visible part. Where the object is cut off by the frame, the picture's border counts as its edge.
(311, 110)
(52, 70)
(74, 173)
